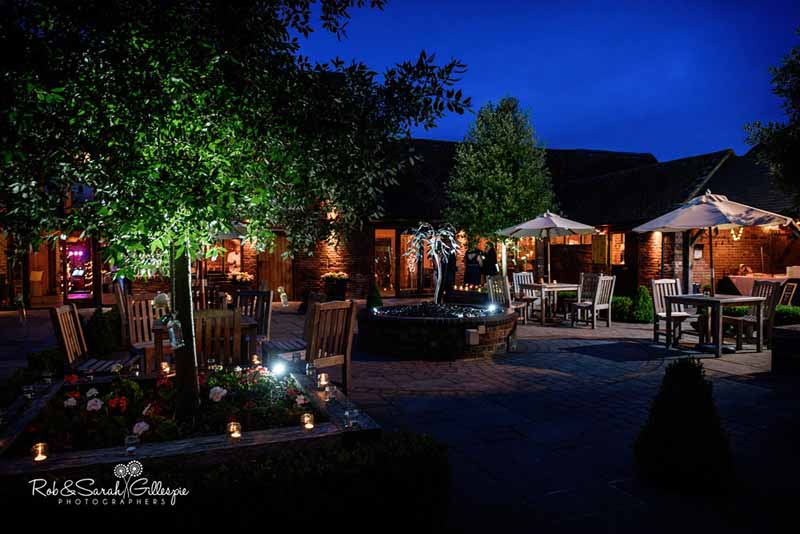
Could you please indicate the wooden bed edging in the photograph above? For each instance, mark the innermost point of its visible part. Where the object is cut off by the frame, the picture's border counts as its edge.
(208, 450)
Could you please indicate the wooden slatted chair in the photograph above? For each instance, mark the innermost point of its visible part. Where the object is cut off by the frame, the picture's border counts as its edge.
(121, 297)
(500, 294)
(588, 311)
(587, 287)
(294, 346)
(663, 288)
(218, 337)
(69, 332)
(771, 291)
(330, 338)
(258, 305)
(525, 292)
(141, 316)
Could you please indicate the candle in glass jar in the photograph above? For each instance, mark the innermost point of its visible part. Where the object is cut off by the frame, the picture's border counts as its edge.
(322, 380)
(234, 430)
(256, 360)
(307, 420)
(165, 368)
(40, 452)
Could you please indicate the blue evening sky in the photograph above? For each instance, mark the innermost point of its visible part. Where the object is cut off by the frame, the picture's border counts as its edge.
(671, 78)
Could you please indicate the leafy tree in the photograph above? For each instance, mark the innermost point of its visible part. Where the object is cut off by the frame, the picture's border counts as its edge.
(778, 144)
(500, 177)
(185, 117)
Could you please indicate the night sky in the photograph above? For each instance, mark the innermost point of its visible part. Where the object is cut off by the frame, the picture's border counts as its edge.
(671, 78)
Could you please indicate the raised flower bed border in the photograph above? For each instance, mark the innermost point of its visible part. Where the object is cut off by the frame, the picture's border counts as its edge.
(204, 449)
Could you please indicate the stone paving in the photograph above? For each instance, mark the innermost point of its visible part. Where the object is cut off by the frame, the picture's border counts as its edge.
(543, 436)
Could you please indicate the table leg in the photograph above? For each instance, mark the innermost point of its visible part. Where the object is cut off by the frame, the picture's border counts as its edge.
(544, 306)
(718, 330)
(668, 334)
(760, 318)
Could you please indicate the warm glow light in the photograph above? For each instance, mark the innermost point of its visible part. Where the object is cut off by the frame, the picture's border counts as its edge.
(39, 452)
(165, 368)
(307, 420)
(322, 380)
(234, 430)
(256, 360)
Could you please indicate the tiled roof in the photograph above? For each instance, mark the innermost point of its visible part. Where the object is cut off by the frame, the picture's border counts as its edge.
(639, 194)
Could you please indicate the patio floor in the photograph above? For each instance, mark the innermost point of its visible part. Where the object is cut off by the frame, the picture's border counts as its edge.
(543, 436)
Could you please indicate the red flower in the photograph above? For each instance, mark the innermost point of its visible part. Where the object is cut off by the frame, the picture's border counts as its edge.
(71, 379)
(74, 394)
(119, 403)
(201, 377)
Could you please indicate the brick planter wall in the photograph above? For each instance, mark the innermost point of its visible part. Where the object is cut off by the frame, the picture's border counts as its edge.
(786, 349)
(436, 338)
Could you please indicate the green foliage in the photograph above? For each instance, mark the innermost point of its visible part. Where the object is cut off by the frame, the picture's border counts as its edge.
(683, 446)
(778, 144)
(786, 315)
(103, 333)
(500, 177)
(642, 306)
(621, 308)
(374, 299)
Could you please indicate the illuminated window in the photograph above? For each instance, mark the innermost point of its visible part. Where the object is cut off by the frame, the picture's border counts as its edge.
(618, 249)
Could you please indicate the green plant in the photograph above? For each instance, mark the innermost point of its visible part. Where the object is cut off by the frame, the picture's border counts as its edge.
(642, 306)
(786, 315)
(102, 332)
(621, 308)
(374, 299)
(682, 445)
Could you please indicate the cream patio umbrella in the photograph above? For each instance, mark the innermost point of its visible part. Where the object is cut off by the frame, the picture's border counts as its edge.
(546, 226)
(708, 212)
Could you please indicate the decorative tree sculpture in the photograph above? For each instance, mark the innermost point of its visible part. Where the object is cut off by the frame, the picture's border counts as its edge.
(441, 242)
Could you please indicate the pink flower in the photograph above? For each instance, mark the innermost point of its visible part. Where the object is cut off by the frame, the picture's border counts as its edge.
(94, 405)
(140, 428)
(217, 393)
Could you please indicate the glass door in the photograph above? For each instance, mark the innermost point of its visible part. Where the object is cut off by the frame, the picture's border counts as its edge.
(384, 257)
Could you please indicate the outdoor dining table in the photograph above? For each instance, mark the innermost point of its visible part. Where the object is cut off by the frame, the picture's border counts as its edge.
(716, 303)
(247, 325)
(554, 289)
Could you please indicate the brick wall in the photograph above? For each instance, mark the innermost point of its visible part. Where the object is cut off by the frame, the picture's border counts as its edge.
(649, 256)
(353, 256)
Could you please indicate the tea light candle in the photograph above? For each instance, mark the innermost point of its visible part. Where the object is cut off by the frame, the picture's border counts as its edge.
(165, 368)
(307, 421)
(40, 452)
(322, 380)
(234, 430)
(256, 360)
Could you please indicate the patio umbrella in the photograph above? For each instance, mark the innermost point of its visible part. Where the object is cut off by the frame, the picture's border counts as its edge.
(711, 211)
(546, 226)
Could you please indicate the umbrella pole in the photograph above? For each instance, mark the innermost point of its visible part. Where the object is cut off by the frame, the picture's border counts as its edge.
(711, 256)
(549, 278)
(662, 255)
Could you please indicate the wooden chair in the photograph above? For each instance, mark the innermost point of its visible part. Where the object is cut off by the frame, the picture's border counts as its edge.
(141, 316)
(69, 332)
(771, 291)
(587, 287)
(500, 294)
(525, 292)
(330, 339)
(601, 300)
(663, 288)
(258, 305)
(218, 337)
(294, 345)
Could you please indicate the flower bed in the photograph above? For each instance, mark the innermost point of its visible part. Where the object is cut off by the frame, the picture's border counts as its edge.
(86, 415)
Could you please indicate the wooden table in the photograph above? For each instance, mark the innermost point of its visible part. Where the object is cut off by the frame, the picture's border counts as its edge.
(554, 290)
(716, 304)
(247, 325)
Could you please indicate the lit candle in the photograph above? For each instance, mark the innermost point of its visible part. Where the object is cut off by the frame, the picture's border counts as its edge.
(165, 368)
(234, 430)
(40, 452)
(307, 420)
(322, 380)
(256, 360)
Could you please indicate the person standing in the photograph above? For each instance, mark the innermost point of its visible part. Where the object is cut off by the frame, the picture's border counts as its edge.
(490, 260)
(450, 270)
(473, 260)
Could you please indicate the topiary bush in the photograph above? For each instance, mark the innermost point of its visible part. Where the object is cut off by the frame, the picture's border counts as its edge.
(642, 308)
(786, 315)
(683, 446)
(621, 309)
(374, 299)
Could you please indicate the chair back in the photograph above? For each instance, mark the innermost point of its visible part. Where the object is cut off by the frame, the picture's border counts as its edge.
(520, 279)
(330, 335)
(605, 291)
(258, 305)
(771, 291)
(218, 336)
(665, 287)
(499, 290)
(141, 316)
(587, 286)
(67, 324)
(121, 297)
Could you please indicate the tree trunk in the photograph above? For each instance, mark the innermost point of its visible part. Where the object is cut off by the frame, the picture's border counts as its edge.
(188, 387)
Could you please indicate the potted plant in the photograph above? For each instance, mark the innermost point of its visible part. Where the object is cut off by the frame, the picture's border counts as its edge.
(335, 284)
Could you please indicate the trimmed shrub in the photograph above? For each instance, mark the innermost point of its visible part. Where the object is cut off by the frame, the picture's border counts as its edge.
(786, 315)
(621, 309)
(642, 309)
(374, 299)
(683, 446)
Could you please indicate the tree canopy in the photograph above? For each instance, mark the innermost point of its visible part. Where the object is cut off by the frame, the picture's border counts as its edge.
(500, 177)
(779, 143)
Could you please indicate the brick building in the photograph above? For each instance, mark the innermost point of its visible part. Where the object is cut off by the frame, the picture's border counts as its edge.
(614, 191)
